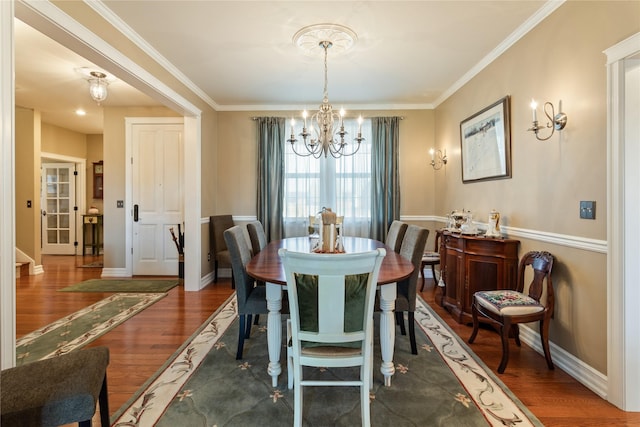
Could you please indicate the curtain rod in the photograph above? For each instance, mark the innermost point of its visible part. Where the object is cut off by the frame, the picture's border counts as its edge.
(256, 118)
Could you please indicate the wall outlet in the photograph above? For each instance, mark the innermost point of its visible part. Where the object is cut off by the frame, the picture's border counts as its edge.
(119, 203)
(588, 210)
(209, 256)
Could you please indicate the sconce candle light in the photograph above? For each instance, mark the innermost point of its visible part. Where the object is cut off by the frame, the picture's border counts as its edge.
(438, 158)
(557, 122)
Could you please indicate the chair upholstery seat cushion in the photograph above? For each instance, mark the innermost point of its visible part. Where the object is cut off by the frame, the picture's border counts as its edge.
(508, 302)
(224, 258)
(56, 391)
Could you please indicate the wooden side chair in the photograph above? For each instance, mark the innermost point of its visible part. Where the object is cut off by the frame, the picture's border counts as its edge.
(505, 309)
(217, 225)
(395, 235)
(431, 258)
(56, 391)
(331, 299)
(412, 249)
(252, 299)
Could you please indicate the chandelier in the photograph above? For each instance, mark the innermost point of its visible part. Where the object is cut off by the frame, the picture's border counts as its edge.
(323, 133)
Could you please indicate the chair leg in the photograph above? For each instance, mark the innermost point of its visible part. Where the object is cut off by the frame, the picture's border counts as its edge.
(247, 333)
(422, 275)
(544, 337)
(412, 333)
(215, 271)
(241, 333)
(233, 281)
(103, 402)
(400, 322)
(515, 331)
(476, 323)
(504, 335)
(255, 322)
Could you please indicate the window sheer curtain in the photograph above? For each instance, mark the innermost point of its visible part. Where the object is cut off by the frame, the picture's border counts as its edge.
(271, 137)
(385, 183)
(343, 184)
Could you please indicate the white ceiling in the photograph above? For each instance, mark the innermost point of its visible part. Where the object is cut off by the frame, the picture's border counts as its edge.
(409, 54)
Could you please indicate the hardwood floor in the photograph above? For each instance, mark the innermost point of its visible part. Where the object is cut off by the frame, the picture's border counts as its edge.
(142, 344)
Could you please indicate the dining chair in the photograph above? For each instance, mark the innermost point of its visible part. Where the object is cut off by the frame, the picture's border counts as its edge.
(412, 249)
(504, 309)
(251, 299)
(217, 225)
(257, 236)
(396, 232)
(331, 298)
(57, 391)
(431, 258)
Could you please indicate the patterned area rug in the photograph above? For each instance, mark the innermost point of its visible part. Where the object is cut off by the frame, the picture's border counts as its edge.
(444, 385)
(122, 285)
(80, 328)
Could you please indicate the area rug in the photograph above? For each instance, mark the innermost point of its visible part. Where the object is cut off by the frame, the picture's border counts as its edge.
(122, 285)
(444, 385)
(94, 264)
(80, 328)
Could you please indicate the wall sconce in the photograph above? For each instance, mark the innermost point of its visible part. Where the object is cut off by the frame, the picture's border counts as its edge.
(438, 158)
(556, 122)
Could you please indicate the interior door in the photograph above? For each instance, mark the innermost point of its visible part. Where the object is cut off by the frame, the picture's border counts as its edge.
(58, 206)
(157, 196)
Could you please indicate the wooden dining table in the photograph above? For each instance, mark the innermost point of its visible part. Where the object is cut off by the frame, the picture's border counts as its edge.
(267, 266)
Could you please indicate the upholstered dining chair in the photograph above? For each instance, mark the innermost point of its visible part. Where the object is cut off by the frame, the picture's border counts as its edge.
(217, 225)
(412, 249)
(257, 236)
(396, 234)
(56, 391)
(504, 309)
(251, 299)
(431, 258)
(331, 298)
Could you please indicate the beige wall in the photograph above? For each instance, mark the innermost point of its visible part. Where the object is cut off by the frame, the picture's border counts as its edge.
(560, 59)
(27, 166)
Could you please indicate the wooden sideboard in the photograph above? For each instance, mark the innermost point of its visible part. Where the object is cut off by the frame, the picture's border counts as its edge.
(474, 263)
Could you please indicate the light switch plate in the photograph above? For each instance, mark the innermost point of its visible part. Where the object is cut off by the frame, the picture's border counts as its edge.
(588, 209)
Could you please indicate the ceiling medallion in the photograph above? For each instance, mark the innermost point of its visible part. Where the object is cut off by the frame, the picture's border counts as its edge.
(309, 39)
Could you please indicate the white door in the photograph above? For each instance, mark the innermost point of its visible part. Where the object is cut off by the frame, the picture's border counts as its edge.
(157, 196)
(58, 204)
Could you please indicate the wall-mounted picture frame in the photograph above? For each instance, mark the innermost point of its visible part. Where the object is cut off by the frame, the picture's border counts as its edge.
(485, 141)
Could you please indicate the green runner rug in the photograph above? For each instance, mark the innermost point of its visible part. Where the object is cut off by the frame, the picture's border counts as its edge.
(80, 328)
(122, 285)
(444, 385)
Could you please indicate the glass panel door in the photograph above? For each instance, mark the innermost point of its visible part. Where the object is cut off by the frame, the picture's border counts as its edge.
(58, 215)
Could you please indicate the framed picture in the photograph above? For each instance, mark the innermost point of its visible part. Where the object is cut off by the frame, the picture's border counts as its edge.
(485, 140)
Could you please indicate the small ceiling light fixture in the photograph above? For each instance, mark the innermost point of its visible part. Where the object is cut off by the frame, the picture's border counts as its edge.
(325, 134)
(438, 158)
(98, 86)
(556, 122)
(81, 112)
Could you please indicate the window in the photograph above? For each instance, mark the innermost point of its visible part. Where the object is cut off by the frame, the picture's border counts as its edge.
(342, 184)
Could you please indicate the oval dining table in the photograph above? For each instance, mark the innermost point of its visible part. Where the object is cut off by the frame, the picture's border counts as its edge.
(267, 267)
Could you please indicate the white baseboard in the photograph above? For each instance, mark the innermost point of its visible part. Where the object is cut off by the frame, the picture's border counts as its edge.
(585, 374)
(114, 272)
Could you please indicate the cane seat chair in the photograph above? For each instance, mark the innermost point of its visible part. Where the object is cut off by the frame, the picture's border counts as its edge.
(504, 309)
(331, 299)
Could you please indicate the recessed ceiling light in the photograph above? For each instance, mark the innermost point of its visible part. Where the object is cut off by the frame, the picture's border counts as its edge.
(81, 112)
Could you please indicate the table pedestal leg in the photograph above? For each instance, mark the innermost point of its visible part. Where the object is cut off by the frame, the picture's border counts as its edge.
(387, 330)
(274, 330)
